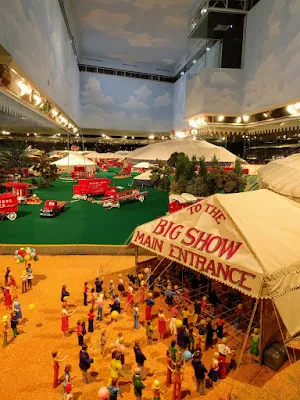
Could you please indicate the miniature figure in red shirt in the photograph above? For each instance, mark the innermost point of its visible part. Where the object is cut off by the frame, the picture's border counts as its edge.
(177, 381)
(85, 293)
(220, 325)
(91, 316)
(7, 297)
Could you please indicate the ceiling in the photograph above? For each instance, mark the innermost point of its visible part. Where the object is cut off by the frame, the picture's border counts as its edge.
(131, 31)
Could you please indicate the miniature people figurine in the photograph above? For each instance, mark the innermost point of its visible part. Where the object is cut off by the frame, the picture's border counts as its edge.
(183, 338)
(149, 304)
(100, 307)
(254, 345)
(7, 272)
(120, 338)
(14, 323)
(67, 375)
(214, 302)
(223, 350)
(114, 390)
(68, 394)
(156, 390)
(191, 340)
(111, 288)
(24, 281)
(64, 293)
(121, 287)
(213, 372)
(169, 297)
(85, 363)
(56, 362)
(79, 333)
(233, 359)
(29, 276)
(94, 298)
(200, 372)
(143, 291)
(209, 332)
(173, 350)
(170, 369)
(129, 294)
(177, 381)
(12, 280)
(7, 297)
(85, 294)
(149, 332)
(115, 367)
(91, 317)
(98, 285)
(220, 322)
(102, 342)
(140, 359)
(5, 330)
(204, 305)
(238, 316)
(17, 308)
(65, 319)
(197, 311)
(140, 277)
(138, 384)
(186, 314)
(174, 315)
(162, 324)
(202, 331)
(136, 316)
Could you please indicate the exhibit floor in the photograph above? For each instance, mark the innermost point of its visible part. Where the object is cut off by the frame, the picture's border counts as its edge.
(82, 222)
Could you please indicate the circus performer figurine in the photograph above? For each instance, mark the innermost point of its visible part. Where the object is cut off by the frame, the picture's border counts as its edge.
(162, 324)
(233, 359)
(17, 307)
(65, 319)
(149, 304)
(64, 293)
(100, 307)
(12, 280)
(24, 281)
(174, 316)
(5, 330)
(85, 293)
(7, 297)
(130, 294)
(254, 345)
(121, 287)
(223, 350)
(213, 372)
(56, 362)
(209, 332)
(202, 332)
(142, 291)
(170, 368)
(177, 381)
(220, 322)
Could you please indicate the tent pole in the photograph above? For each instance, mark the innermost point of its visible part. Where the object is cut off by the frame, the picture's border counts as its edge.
(248, 333)
(283, 339)
(261, 330)
(181, 276)
(136, 257)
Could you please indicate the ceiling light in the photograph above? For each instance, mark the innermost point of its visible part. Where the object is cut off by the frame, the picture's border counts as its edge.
(58, 134)
(37, 99)
(221, 118)
(54, 112)
(125, 137)
(75, 130)
(204, 11)
(5, 133)
(192, 123)
(246, 118)
(151, 137)
(265, 115)
(163, 138)
(231, 26)
(297, 106)
(238, 120)
(35, 134)
(182, 73)
(207, 48)
(24, 89)
(132, 137)
(27, 134)
(180, 134)
(194, 61)
(291, 109)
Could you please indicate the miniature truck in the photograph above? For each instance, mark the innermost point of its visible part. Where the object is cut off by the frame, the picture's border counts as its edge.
(90, 187)
(52, 208)
(8, 206)
(113, 197)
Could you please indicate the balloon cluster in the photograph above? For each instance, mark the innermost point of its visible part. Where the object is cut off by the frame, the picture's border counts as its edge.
(25, 254)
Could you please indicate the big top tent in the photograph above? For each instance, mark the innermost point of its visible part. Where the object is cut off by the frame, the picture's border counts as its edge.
(74, 160)
(199, 148)
(249, 241)
(282, 176)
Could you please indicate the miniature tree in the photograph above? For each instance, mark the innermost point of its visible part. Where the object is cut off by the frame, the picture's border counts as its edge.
(13, 156)
(48, 171)
(238, 167)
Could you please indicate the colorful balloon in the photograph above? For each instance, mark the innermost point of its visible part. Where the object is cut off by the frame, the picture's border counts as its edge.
(36, 258)
(31, 307)
(28, 251)
(16, 252)
(32, 255)
(187, 355)
(17, 261)
(114, 314)
(146, 270)
(178, 323)
(103, 393)
(27, 257)
(21, 259)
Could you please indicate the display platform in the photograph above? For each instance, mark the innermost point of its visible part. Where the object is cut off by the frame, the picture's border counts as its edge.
(82, 222)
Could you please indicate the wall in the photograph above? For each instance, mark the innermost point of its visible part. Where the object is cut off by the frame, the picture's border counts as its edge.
(112, 102)
(34, 33)
(272, 56)
(179, 103)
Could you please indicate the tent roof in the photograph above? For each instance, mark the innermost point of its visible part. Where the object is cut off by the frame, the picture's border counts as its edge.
(73, 159)
(145, 176)
(92, 155)
(143, 164)
(249, 241)
(109, 156)
(282, 176)
(200, 148)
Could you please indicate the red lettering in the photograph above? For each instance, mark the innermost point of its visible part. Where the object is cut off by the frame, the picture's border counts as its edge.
(147, 241)
(208, 206)
(182, 257)
(160, 227)
(211, 267)
(203, 238)
(202, 261)
(220, 218)
(216, 245)
(243, 279)
(230, 275)
(157, 244)
(224, 273)
(172, 250)
(189, 235)
(139, 237)
(173, 234)
(168, 229)
(229, 248)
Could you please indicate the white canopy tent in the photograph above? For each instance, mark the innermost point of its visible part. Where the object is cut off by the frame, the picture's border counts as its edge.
(282, 176)
(93, 155)
(72, 160)
(109, 156)
(143, 179)
(249, 241)
(143, 164)
(199, 148)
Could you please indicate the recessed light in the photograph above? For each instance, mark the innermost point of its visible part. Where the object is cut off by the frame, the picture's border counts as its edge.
(221, 118)
(181, 73)
(194, 61)
(207, 48)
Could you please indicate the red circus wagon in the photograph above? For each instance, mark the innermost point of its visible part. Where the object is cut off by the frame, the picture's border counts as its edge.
(20, 189)
(8, 206)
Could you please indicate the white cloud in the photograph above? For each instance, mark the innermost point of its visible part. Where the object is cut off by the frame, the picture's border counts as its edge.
(163, 101)
(143, 92)
(148, 4)
(114, 24)
(92, 94)
(135, 104)
(223, 78)
(176, 21)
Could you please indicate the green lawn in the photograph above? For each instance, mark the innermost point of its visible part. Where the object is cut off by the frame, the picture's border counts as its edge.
(82, 222)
